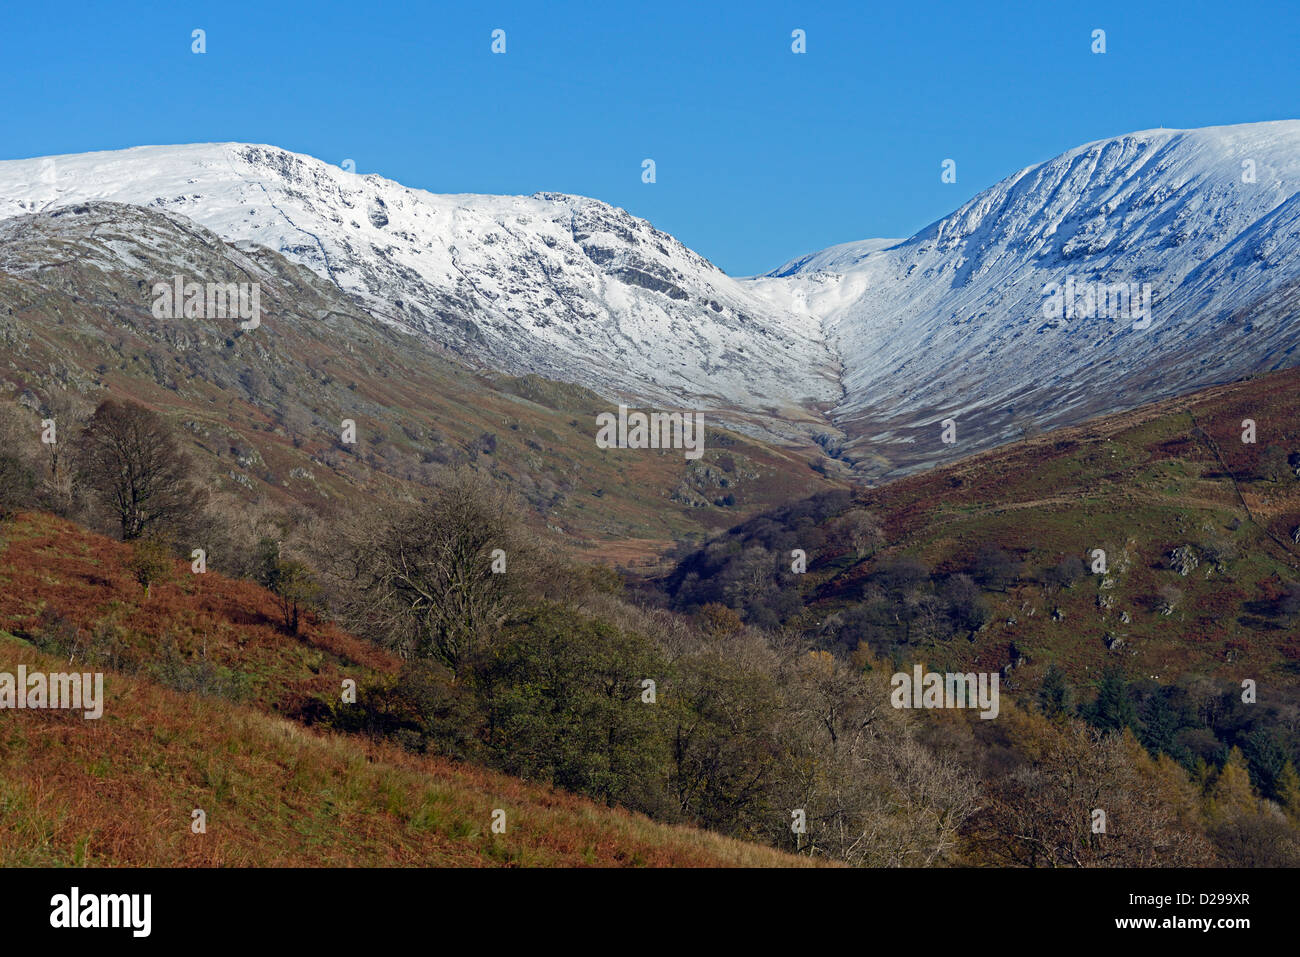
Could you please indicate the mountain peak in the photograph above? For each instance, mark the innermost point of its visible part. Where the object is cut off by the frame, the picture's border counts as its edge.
(890, 336)
(560, 285)
(956, 322)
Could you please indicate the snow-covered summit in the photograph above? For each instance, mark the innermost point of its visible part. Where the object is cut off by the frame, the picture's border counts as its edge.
(1118, 272)
(561, 285)
(957, 321)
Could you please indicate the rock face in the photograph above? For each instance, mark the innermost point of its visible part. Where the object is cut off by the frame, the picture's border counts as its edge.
(1184, 560)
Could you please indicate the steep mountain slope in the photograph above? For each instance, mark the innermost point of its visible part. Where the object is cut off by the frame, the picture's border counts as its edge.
(557, 285)
(262, 408)
(1200, 532)
(956, 321)
(1177, 251)
(119, 791)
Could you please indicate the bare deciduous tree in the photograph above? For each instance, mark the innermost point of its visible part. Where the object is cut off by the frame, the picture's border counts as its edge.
(130, 457)
(859, 530)
(1044, 813)
(57, 488)
(429, 580)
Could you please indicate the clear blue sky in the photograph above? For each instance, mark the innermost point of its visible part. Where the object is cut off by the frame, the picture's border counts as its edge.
(761, 154)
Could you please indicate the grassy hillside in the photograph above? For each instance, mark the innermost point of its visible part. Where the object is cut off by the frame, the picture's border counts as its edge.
(1196, 525)
(262, 410)
(69, 590)
(121, 791)
(198, 680)
(1197, 529)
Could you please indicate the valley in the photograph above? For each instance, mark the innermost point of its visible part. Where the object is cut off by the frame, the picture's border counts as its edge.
(1050, 444)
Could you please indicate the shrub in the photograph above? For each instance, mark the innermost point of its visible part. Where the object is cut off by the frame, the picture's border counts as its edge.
(150, 562)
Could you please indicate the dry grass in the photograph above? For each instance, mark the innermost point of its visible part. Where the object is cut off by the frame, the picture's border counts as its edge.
(121, 790)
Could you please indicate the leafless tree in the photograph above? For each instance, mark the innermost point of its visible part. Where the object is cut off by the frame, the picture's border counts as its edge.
(859, 530)
(434, 580)
(129, 456)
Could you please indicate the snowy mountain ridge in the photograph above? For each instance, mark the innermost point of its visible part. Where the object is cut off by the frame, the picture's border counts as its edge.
(872, 343)
(559, 285)
(956, 322)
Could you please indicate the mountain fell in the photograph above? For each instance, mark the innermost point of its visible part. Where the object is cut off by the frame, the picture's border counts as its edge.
(1122, 271)
(555, 285)
(1178, 251)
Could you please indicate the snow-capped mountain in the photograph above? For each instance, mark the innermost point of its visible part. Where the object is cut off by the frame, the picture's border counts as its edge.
(563, 286)
(968, 319)
(1119, 272)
